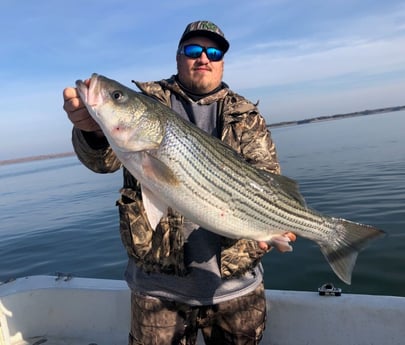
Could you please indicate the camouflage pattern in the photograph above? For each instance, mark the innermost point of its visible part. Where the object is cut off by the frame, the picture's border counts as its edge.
(155, 251)
(243, 128)
(240, 321)
(208, 29)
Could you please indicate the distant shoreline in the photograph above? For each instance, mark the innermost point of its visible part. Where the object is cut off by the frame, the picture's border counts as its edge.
(336, 117)
(272, 125)
(36, 158)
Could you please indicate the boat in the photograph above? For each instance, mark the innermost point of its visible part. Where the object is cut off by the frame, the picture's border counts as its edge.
(65, 310)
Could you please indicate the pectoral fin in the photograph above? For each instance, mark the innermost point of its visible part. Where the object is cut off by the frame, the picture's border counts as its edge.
(156, 170)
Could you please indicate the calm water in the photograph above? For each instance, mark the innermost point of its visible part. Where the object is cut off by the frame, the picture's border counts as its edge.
(56, 216)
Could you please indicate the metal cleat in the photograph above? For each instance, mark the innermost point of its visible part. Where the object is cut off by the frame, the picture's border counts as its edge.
(329, 290)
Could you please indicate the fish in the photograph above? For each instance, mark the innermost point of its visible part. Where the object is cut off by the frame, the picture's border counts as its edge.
(180, 166)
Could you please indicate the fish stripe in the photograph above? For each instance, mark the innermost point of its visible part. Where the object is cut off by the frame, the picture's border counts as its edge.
(209, 168)
(213, 186)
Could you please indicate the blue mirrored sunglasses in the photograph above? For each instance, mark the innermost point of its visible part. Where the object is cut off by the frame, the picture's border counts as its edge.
(194, 51)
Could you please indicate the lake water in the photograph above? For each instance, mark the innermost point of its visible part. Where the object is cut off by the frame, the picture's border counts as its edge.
(57, 216)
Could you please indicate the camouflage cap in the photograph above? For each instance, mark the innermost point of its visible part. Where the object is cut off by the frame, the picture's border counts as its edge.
(207, 29)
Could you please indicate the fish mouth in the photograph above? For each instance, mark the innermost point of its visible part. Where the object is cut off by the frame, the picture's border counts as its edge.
(86, 90)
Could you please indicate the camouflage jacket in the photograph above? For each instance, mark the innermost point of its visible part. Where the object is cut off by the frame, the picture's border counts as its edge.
(161, 250)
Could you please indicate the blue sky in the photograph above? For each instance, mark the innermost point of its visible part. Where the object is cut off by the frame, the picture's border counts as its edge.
(299, 58)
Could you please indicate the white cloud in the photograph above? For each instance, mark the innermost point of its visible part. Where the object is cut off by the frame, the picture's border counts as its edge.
(321, 62)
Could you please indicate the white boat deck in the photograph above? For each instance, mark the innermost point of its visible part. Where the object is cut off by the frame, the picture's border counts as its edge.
(45, 310)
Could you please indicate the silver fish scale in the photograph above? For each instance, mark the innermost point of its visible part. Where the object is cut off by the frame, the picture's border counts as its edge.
(213, 176)
(208, 183)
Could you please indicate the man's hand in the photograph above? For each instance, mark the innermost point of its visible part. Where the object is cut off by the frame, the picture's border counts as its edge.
(78, 113)
(282, 244)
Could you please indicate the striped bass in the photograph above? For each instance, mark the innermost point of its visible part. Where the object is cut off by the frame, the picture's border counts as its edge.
(181, 166)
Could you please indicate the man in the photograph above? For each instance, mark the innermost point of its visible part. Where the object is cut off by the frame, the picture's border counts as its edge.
(182, 277)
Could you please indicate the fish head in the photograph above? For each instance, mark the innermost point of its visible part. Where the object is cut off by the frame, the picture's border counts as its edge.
(122, 114)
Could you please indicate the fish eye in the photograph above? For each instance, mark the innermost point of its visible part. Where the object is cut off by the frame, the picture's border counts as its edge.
(117, 95)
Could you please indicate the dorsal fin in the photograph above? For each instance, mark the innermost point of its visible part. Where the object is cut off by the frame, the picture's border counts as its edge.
(289, 187)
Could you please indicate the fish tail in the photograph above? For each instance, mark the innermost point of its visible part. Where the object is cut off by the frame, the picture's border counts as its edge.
(349, 239)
